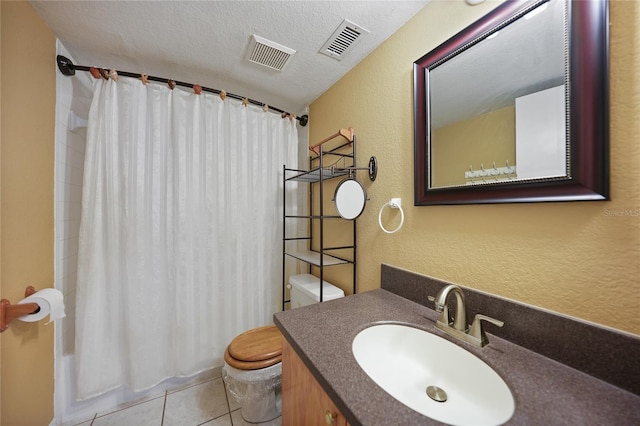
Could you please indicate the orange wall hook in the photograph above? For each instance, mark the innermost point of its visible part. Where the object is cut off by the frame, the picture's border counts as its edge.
(9, 312)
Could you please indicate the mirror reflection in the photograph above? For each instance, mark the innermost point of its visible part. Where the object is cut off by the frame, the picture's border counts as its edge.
(497, 110)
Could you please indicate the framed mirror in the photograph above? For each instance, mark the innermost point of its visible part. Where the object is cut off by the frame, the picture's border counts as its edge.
(515, 107)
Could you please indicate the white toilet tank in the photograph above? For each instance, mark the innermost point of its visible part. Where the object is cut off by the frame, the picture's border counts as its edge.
(305, 290)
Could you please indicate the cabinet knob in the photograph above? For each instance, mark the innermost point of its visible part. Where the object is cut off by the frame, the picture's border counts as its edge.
(329, 417)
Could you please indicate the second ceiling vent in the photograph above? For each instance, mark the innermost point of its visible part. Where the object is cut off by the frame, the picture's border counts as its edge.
(343, 39)
(268, 53)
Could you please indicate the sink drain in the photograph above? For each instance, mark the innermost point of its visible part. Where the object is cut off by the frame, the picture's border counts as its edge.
(436, 393)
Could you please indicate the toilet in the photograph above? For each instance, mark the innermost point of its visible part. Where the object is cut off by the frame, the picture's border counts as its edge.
(252, 369)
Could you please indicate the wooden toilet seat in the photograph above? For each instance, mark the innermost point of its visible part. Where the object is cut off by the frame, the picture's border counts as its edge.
(254, 349)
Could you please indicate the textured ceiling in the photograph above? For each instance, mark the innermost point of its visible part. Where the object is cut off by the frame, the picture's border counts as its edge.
(206, 42)
(522, 58)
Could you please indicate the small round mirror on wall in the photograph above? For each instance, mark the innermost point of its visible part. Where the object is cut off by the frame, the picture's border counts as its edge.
(350, 198)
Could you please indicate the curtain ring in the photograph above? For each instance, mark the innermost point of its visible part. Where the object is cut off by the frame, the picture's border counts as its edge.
(197, 89)
(223, 94)
(144, 78)
(265, 107)
(245, 101)
(114, 75)
(104, 73)
(171, 84)
(94, 72)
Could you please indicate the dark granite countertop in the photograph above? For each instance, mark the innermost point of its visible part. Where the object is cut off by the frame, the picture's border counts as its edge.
(546, 392)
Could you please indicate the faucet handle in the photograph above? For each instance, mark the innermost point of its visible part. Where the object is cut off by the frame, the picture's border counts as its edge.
(476, 330)
(439, 306)
(443, 309)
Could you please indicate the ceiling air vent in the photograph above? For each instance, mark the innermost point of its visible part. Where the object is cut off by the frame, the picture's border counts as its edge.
(268, 53)
(343, 39)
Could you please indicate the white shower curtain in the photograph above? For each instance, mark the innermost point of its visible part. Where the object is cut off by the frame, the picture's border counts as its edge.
(181, 232)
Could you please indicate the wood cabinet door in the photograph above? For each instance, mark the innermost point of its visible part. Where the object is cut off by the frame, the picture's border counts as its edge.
(304, 402)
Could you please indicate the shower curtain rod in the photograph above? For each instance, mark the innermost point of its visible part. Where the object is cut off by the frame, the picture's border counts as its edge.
(68, 68)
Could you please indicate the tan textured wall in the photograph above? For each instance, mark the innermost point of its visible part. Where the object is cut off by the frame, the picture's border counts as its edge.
(577, 258)
(463, 145)
(27, 144)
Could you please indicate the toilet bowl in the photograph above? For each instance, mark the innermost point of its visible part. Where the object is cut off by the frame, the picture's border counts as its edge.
(252, 370)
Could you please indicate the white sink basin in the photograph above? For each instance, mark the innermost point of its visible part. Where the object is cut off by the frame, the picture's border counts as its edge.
(405, 361)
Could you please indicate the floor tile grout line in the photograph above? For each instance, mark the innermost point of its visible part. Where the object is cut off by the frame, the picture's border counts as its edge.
(216, 418)
(164, 407)
(226, 397)
(164, 395)
(193, 385)
(127, 407)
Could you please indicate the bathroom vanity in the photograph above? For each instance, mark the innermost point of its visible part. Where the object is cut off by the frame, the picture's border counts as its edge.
(323, 381)
(304, 400)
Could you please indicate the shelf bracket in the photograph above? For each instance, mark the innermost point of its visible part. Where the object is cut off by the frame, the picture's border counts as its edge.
(345, 133)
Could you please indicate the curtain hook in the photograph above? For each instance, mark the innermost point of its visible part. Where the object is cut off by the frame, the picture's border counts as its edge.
(265, 107)
(223, 94)
(94, 72)
(104, 73)
(245, 101)
(171, 84)
(144, 78)
(197, 89)
(114, 75)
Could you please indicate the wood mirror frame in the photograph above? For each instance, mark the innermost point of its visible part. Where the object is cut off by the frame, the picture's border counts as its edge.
(588, 114)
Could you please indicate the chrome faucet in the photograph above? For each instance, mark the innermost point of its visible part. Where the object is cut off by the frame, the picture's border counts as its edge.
(460, 317)
(458, 327)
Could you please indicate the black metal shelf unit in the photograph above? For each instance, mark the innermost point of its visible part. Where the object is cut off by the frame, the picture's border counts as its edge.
(317, 175)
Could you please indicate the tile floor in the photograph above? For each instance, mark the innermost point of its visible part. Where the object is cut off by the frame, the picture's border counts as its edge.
(204, 403)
